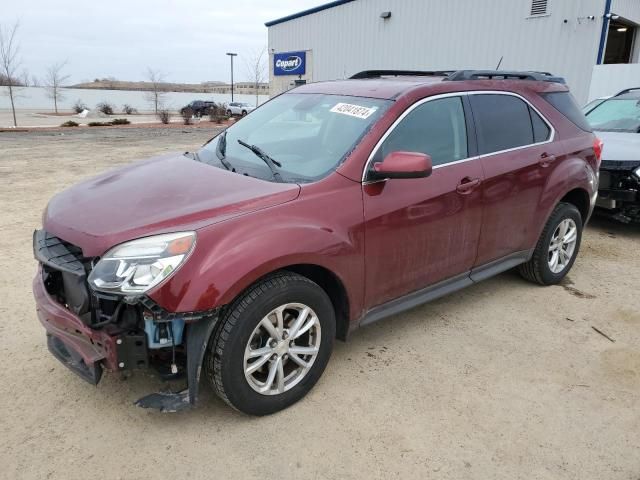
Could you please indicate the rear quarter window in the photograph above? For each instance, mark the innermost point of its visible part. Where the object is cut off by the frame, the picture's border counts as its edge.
(567, 105)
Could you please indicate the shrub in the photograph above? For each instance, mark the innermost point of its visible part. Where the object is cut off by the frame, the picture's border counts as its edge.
(128, 109)
(79, 106)
(120, 121)
(105, 108)
(164, 115)
(99, 124)
(186, 114)
(70, 123)
(218, 113)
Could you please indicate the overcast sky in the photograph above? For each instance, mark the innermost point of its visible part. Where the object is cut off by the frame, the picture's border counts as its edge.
(186, 39)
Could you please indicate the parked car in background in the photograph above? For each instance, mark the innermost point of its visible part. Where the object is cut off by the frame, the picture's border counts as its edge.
(199, 107)
(617, 122)
(239, 108)
(332, 206)
(593, 104)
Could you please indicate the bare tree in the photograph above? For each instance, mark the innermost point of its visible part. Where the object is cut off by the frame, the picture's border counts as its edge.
(10, 62)
(156, 95)
(256, 66)
(24, 78)
(53, 81)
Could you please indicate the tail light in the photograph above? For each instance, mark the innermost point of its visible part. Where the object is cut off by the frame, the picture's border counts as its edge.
(597, 149)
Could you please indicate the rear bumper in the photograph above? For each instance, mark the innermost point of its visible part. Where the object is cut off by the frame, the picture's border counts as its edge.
(94, 347)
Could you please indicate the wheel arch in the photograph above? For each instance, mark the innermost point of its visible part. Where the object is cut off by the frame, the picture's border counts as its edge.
(579, 198)
(326, 279)
(335, 289)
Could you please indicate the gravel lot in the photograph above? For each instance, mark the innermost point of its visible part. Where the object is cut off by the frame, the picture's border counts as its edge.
(503, 380)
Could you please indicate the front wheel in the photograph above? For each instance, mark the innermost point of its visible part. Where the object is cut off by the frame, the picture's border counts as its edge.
(229, 113)
(244, 113)
(272, 345)
(557, 247)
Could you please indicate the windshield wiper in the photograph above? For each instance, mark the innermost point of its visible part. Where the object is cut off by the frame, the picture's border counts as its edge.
(271, 163)
(221, 152)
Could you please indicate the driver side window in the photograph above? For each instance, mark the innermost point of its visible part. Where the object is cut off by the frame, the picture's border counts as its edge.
(436, 127)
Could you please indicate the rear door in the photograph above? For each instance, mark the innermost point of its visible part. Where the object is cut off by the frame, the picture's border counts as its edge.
(516, 151)
(421, 231)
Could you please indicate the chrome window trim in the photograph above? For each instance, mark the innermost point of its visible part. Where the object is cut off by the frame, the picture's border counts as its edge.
(457, 94)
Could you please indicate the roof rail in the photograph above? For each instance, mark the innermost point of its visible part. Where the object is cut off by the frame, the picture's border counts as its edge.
(503, 75)
(401, 73)
(627, 90)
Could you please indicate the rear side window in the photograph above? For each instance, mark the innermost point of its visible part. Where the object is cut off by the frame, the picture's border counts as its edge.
(436, 128)
(541, 130)
(502, 122)
(567, 105)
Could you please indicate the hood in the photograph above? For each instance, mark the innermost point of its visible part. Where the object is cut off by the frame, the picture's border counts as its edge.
(164, 194)
(620, 146)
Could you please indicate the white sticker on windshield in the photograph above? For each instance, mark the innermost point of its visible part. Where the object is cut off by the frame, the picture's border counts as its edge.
(353, 110)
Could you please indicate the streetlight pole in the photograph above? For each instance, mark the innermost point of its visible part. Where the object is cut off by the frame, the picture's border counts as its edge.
(231, 55)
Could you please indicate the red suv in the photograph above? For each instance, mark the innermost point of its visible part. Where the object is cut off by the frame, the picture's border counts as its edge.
(330, 207)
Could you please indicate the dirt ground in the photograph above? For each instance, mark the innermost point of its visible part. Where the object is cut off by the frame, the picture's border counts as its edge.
(503, 380)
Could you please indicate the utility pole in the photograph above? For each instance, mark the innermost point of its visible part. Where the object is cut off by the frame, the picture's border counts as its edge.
(231, 55)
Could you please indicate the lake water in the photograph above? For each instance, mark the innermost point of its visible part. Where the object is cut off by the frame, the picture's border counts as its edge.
(35, 98)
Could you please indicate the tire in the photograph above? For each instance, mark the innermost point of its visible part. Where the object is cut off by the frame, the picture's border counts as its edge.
(244, 113)
(229, 113)
(226, 360)
(539, 268)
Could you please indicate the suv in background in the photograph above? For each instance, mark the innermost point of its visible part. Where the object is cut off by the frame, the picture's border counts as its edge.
(199, 107)
(617, 121)
(239, 108)
(332, 206)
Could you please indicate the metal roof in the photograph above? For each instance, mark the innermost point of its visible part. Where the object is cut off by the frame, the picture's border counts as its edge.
(310, 11)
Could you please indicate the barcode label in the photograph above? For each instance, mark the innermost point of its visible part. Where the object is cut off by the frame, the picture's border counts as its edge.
(353, 110)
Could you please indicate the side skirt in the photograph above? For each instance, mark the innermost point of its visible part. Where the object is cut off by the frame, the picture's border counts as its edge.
(445, 287)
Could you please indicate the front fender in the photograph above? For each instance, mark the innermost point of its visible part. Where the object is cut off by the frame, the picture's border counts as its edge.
(231, 255)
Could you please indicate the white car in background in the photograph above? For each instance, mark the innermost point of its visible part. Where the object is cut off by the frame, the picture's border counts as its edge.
(239, 108)
(593, 104)
(616, 121)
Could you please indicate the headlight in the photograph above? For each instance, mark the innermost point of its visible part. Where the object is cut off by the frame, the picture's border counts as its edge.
(636, 172)
(137, 266)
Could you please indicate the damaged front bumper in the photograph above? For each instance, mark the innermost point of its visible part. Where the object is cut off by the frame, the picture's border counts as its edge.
(619, 192)
(89, 332)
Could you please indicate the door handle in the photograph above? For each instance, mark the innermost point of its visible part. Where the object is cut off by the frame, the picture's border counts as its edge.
(467, 184)
(546, 160)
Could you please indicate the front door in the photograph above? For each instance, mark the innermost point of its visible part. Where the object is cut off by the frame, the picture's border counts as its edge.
(422, 231)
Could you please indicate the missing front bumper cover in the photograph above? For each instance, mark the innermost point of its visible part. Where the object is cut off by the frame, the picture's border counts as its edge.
(91, 373)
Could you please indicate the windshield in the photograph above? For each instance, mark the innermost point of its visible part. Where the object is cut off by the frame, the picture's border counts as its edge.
(616, 115)
(307, 135)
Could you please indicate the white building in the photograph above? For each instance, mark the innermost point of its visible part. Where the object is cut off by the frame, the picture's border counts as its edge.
(577, 39)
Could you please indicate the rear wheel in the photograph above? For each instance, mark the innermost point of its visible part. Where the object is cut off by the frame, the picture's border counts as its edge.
(244, 112)
(557, 247)
(272, 345)
(229, 113)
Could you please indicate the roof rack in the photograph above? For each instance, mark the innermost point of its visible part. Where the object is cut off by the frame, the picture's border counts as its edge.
(461, 75)
(627, 90)
(401, 73)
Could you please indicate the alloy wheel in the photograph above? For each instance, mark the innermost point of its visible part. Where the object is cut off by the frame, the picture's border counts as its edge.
(282, 349)
(562, 246)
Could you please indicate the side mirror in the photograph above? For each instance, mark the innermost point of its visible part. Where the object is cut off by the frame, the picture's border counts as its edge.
(403, 165)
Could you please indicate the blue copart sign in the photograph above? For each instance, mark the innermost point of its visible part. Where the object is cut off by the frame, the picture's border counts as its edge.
(289, 63)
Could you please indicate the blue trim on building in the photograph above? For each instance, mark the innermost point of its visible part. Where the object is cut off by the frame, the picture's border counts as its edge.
(604, 32)
(304, 13)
